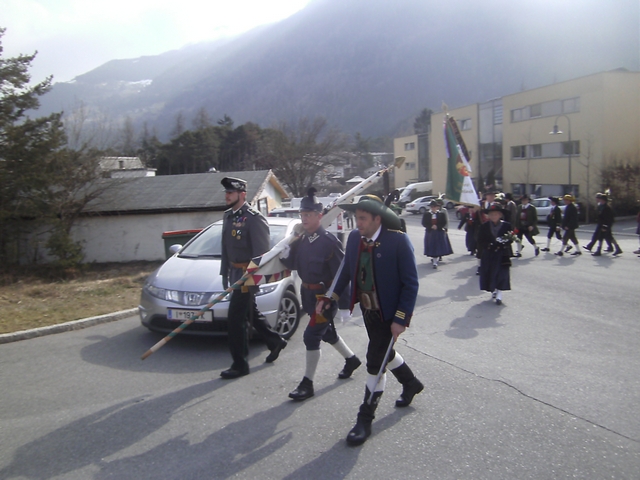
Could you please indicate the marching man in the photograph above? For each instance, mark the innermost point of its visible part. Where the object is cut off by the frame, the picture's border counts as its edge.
(380, 263)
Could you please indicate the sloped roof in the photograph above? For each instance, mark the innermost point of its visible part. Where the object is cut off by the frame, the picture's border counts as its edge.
(198, 191)
(114, 163)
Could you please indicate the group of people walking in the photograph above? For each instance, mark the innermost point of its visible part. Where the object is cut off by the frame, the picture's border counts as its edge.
(497, 224)
(377, 270)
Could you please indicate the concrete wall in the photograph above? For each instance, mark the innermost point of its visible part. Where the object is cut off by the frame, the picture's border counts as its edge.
(126, 238)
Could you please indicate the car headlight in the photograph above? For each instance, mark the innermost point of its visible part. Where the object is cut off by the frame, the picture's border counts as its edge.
(264, 289)
(163, 293)
(190, 299)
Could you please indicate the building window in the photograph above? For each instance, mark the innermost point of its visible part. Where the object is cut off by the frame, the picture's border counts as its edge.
(535, 150)
(410, 166)
(535, 110)
(409, 146)
(516, 115)
(465, 124)
(519, 151)
(571, 105)
(497, 115)
(571, 148)
(546, 109)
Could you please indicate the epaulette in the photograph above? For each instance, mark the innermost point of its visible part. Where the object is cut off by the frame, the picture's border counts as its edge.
(252, 211)
(395, 231)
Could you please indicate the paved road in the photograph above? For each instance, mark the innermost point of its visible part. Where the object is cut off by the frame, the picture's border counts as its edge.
(544, 386)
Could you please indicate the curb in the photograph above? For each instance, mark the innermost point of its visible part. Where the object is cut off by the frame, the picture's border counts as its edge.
(66, 327)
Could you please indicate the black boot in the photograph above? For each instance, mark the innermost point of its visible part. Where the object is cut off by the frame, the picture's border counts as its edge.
(362, 429)
(350, 364)
(618, 251)
(303, 391)
(411, 386)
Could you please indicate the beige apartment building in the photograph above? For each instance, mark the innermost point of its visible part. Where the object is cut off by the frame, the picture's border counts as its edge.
(546, 141)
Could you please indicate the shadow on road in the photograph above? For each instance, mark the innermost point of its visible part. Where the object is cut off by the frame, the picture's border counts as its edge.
(88, 440)
(479, 316)
(183, 354)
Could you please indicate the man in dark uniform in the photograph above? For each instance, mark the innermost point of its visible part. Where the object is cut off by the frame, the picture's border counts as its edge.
(554, 220)
(245, 234)
(527, 225)
(604, 227)
(317, 256)
(380, 264)
(569, 225)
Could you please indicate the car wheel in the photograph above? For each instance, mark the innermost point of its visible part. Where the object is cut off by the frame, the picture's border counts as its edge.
(422, 210)
(288, 315)
(450, 205)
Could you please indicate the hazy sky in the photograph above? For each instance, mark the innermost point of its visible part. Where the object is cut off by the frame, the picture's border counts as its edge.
(75, 36)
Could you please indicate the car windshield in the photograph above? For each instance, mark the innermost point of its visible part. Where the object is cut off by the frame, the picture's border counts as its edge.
(209, 242)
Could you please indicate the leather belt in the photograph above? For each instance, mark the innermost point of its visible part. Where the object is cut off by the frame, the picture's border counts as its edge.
(313, 286)
(243, 265)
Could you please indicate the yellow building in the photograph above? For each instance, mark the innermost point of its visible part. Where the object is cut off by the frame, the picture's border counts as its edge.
(406, 147)
(547, 141)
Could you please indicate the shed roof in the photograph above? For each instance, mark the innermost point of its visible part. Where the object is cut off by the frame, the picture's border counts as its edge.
(198, 191)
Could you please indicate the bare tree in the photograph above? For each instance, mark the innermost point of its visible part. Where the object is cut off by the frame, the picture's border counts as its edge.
(297, 152)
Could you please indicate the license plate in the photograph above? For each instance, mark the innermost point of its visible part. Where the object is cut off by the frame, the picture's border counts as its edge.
(181, 315)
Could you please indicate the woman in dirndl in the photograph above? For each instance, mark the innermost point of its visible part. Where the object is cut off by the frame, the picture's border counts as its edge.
(436, 240)
(494, 246)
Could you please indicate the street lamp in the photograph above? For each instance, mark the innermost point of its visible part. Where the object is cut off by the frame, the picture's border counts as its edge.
(557, 131)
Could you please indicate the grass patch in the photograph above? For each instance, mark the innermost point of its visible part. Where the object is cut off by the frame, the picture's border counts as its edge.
(31, 298)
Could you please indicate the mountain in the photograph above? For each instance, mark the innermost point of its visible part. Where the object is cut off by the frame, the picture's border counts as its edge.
(366, 65)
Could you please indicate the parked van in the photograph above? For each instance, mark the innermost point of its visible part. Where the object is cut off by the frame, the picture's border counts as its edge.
(413, 191)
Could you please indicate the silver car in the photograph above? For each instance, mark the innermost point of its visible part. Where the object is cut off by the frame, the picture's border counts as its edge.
(543, 208)
(190, 278)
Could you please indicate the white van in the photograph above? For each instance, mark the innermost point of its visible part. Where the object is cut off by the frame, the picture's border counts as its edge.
(413, 191)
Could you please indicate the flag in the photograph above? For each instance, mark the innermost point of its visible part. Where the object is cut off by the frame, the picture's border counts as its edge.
(459, 185)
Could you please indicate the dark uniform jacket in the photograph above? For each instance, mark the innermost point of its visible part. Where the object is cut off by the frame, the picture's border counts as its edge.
(394, 270)
(531, 219)
(488, 243)
(570, 219)
(245, 234)
(441, 220)
(316, 258)
(554, 219)
(606, 217)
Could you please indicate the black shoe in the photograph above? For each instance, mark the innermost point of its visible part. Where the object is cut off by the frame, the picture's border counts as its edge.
(233, 373)
(409, 390)
(569, 247)
(559, 253)
(596, 253)
(609, 250)
(537, 252)
(360, 432)
(545, 249)
(498, 301)
(576, 253)
(518, 255)
(303, 391)
(587, 247)
(275, 352)
(617, 252)
(350, 364)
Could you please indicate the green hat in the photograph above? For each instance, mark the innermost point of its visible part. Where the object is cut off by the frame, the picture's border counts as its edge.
(373, 204)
